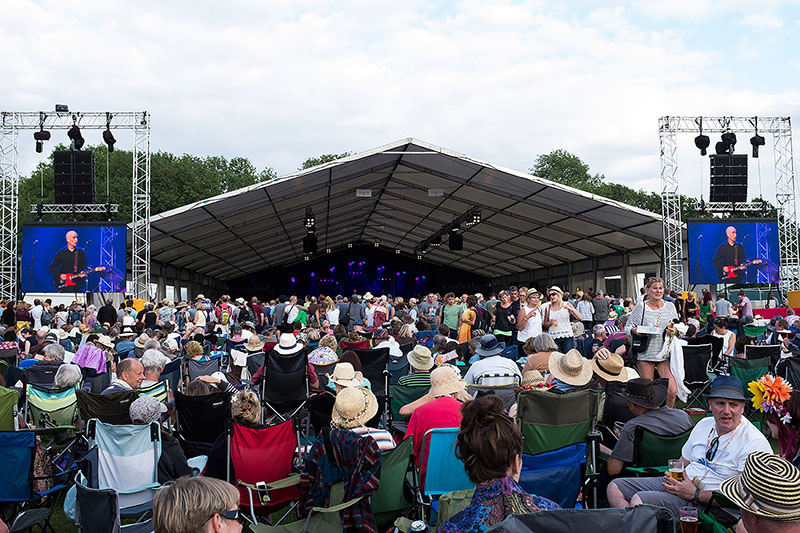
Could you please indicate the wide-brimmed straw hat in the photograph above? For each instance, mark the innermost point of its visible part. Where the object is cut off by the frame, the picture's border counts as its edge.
(420, 358)
(446, 380)
(141, 340)
(610, 369)
(181, 304)
(645, 393)
(254, 344)
(571, 368)
(354, 406)
(532, 377)
(345, 375)
(62, 335)
(769, 486)
(105, 340)
(288, 344)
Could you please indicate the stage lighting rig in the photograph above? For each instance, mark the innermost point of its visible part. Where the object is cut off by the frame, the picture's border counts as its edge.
(310, 220)
(41, 135)
(701, 141)
(436, 240)
(757, 140)
(74, 134)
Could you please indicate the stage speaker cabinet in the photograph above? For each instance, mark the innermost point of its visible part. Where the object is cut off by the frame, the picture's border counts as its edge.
(74, 177)
(729, 178)
(456, 242)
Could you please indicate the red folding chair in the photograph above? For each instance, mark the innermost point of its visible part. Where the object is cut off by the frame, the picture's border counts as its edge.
(262, 461)
(360, 345)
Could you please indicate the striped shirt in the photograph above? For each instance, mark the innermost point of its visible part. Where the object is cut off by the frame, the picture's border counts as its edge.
(417, 379)
(382, 437)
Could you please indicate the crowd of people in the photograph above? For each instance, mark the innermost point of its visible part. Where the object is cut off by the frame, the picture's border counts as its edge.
(561, 342)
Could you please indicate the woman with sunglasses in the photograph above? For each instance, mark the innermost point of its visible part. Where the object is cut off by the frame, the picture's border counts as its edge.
(197, 504)
(728, 337)
(657, 313)
(556, 319)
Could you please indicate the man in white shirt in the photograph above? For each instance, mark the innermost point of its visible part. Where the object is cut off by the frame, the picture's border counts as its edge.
(36, 314)
(492, 368)
(716, 451)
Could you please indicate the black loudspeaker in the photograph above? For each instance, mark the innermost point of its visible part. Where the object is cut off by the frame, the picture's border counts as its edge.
(74, 177)
(456, 242)
(310, 244)
(728, 178)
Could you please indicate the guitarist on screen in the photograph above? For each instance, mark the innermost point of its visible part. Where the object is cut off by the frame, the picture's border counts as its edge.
(69, 261)
(730, 258)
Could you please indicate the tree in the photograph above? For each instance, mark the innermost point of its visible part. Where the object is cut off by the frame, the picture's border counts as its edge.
(321, 160)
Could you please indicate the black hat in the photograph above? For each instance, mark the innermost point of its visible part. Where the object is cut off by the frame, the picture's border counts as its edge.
(646, 392)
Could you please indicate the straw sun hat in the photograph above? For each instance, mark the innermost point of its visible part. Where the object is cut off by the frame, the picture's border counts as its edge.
(354, 406)
(345, 375)
(571, 368)
(446, 380)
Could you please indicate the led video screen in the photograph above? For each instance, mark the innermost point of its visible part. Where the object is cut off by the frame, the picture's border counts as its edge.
(73, 258)
(743, 251)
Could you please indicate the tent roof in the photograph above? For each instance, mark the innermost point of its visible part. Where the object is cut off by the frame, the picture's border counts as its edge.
(527, 222)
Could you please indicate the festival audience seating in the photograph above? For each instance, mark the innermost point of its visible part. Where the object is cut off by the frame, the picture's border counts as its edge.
(696, 361)
(200, 420)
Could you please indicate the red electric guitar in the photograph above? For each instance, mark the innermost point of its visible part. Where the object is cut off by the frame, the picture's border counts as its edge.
(70, 279)
(732, 270)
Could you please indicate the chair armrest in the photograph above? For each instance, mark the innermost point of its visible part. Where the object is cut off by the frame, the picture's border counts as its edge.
(337, 508)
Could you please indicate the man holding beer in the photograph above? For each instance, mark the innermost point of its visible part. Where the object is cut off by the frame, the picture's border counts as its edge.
(716, 450)
(646, 400)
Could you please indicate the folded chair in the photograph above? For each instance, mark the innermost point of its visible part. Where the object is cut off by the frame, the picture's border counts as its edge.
(127, 461)
(8, 409)
(374, 365)
(199, 420)
(639, 519)
(696, 361)
(248, 450)
(111, 408)
(17, 448)
(651, 451)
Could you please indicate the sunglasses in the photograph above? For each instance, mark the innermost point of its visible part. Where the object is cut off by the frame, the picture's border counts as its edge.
(711, 451)
(230, 515)
(553, 294)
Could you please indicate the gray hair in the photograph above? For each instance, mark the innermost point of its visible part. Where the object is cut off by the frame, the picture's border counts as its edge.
(67, 375)
(54, 351)
(152, 344)
(598, 329)
(153, 360)
(544, 343)
(439, 343)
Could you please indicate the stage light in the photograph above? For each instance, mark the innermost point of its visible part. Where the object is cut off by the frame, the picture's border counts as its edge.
(312, 274)
(416, 279)
(397, 274)
(109, 139)
(376, 244)
(757, 140)
(423, 277)
(310, 220)
(306, 257)
(397, 251)
(74, 133)
(476, 219)
(349, 244)
(332, 269)
(702, 142)
(404, 272)
(41, 136)
(327, 250)
(292, 279)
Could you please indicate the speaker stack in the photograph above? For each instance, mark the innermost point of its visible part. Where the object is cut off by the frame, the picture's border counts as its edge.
(74, 177)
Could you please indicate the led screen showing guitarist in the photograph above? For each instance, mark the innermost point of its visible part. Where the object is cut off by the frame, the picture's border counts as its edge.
(730, 260)
(68, 262)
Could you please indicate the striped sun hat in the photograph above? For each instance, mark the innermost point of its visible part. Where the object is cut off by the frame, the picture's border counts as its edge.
(768, 487)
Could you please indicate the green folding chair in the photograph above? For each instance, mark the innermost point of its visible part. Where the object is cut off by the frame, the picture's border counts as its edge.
(403, 395)
(390, 500)
(159, 391)
(651, 451)
(754, 331)
(550, 421)
(8, 409)
(748, 370)
(52, 408)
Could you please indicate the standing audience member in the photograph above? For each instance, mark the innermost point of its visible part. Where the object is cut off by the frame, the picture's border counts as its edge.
(557, 319)
(529, 320)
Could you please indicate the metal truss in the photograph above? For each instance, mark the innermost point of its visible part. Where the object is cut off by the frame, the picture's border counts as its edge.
(762, 250)
(108, 258)
(781, 130)
(11, 122)
(76, 208)
(727, 207)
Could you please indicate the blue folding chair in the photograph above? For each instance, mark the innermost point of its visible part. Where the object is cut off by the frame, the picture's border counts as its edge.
(426, 337)
(172, 374)
(444, 471)
(556, 475)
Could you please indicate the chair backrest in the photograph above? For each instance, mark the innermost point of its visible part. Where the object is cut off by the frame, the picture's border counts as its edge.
(255, 361)
(789, 369)
(98, 381)
(195, 368)
(9, 355)
(398, 367)
(497, 379)
(403, 395)
(51, 407)
(510, 352)
(202, 418)
(349, 345)
(285, 378)
(248, 448)
(320, 410)
(504, 392)
(390, 499)
(772, 351)
(652, 449)
(159, 391)
(111, 408)
(615, 406)
(555, 475)
(172, 374)
(127, 459)
(552, 421)
(444, 471)
(374, 365)
(96, 510)
(715, 342)
(40, 375)
(695, 363)
(748, 370)
(322, 372)
(8, 403)
(754, 331)
(629, 520)
(16, 449)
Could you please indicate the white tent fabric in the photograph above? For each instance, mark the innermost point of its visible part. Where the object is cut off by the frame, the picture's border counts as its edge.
(527, 222)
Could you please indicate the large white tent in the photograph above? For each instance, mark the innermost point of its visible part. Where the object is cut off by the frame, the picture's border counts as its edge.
(528, 224)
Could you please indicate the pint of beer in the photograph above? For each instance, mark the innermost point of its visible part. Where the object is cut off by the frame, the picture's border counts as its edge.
(688, 519)
(676, 469)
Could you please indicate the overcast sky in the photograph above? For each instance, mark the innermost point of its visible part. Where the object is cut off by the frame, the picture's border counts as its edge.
(277, 82)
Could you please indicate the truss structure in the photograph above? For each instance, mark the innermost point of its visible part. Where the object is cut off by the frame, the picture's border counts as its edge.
(76, 208)
(11, 123)
(781, 130)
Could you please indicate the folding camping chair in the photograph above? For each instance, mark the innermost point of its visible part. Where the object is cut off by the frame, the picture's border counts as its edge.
(193, 368)
(127, 461)
(390, 499)
(254, 362)
(510, 352)
(8, 409)
(320, 410)
(789, 369)
(10, 356)
(398, 367)
(551, 422)
(111, 408)
(17, 448)
(504, 392)
(199, 420)
(43, 376)
(172, 374)
(349, 345)
(696, 360)
(97, 381)
(403, 395)
(374, 365)
(285, 388)
(97, 511)
(556, 475)
(444, 471)
(639, 519)
(247, 449)
(54, 412)
(158, 390)
(322, 372)
(748, 370)
(773, 351)
(716, 348)
(651, 451)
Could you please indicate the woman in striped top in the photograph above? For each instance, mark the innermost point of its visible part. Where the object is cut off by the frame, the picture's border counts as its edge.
(353, 408)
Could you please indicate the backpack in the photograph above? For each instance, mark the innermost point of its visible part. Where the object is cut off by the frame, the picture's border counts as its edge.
(74, 316)
(47, 318)
(245, 315)
(482, 319)
(225, 315)
(345, 319)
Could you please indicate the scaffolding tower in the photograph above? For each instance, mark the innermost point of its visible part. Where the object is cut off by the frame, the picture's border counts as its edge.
(781, 130)
(12, 122)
